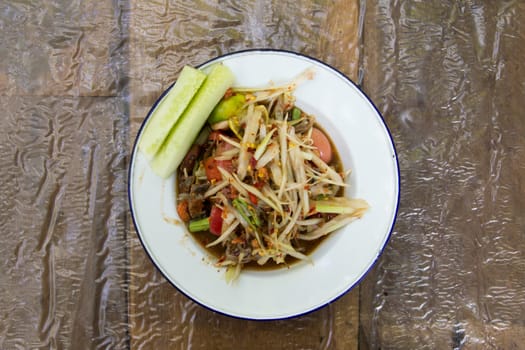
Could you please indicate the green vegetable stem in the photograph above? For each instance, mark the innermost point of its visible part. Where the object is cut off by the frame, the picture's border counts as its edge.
(198, 225)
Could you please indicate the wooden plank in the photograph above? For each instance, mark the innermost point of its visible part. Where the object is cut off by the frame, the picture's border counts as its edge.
(339, 39)
(452, 274)
(63, 214)
(339, 46)
(159, 316)
(73, 50)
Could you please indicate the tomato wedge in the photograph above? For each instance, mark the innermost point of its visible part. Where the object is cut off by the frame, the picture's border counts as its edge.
(211, 167)
(216, 220)
(182, 210)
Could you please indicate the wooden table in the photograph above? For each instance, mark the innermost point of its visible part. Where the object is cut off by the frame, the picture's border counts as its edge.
(160, 317)
(77, 79)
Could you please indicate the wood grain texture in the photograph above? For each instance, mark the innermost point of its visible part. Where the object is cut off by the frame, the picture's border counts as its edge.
(339, 40)
(53, 50)
(448, 78)
(159, 316)
(63, 155)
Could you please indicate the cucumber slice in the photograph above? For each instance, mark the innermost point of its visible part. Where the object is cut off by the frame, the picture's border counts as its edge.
(170, 109)
(185, 131)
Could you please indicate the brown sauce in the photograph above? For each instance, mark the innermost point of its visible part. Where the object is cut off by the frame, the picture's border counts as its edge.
(306, 247)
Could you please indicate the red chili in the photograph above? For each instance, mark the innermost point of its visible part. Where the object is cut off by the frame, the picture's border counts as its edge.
(253, 198)
(253, 162)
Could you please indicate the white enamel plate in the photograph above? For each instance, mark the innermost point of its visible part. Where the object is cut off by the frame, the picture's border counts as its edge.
(364, 144)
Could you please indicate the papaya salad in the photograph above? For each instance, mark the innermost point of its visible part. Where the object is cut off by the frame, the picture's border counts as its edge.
(262, 179)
